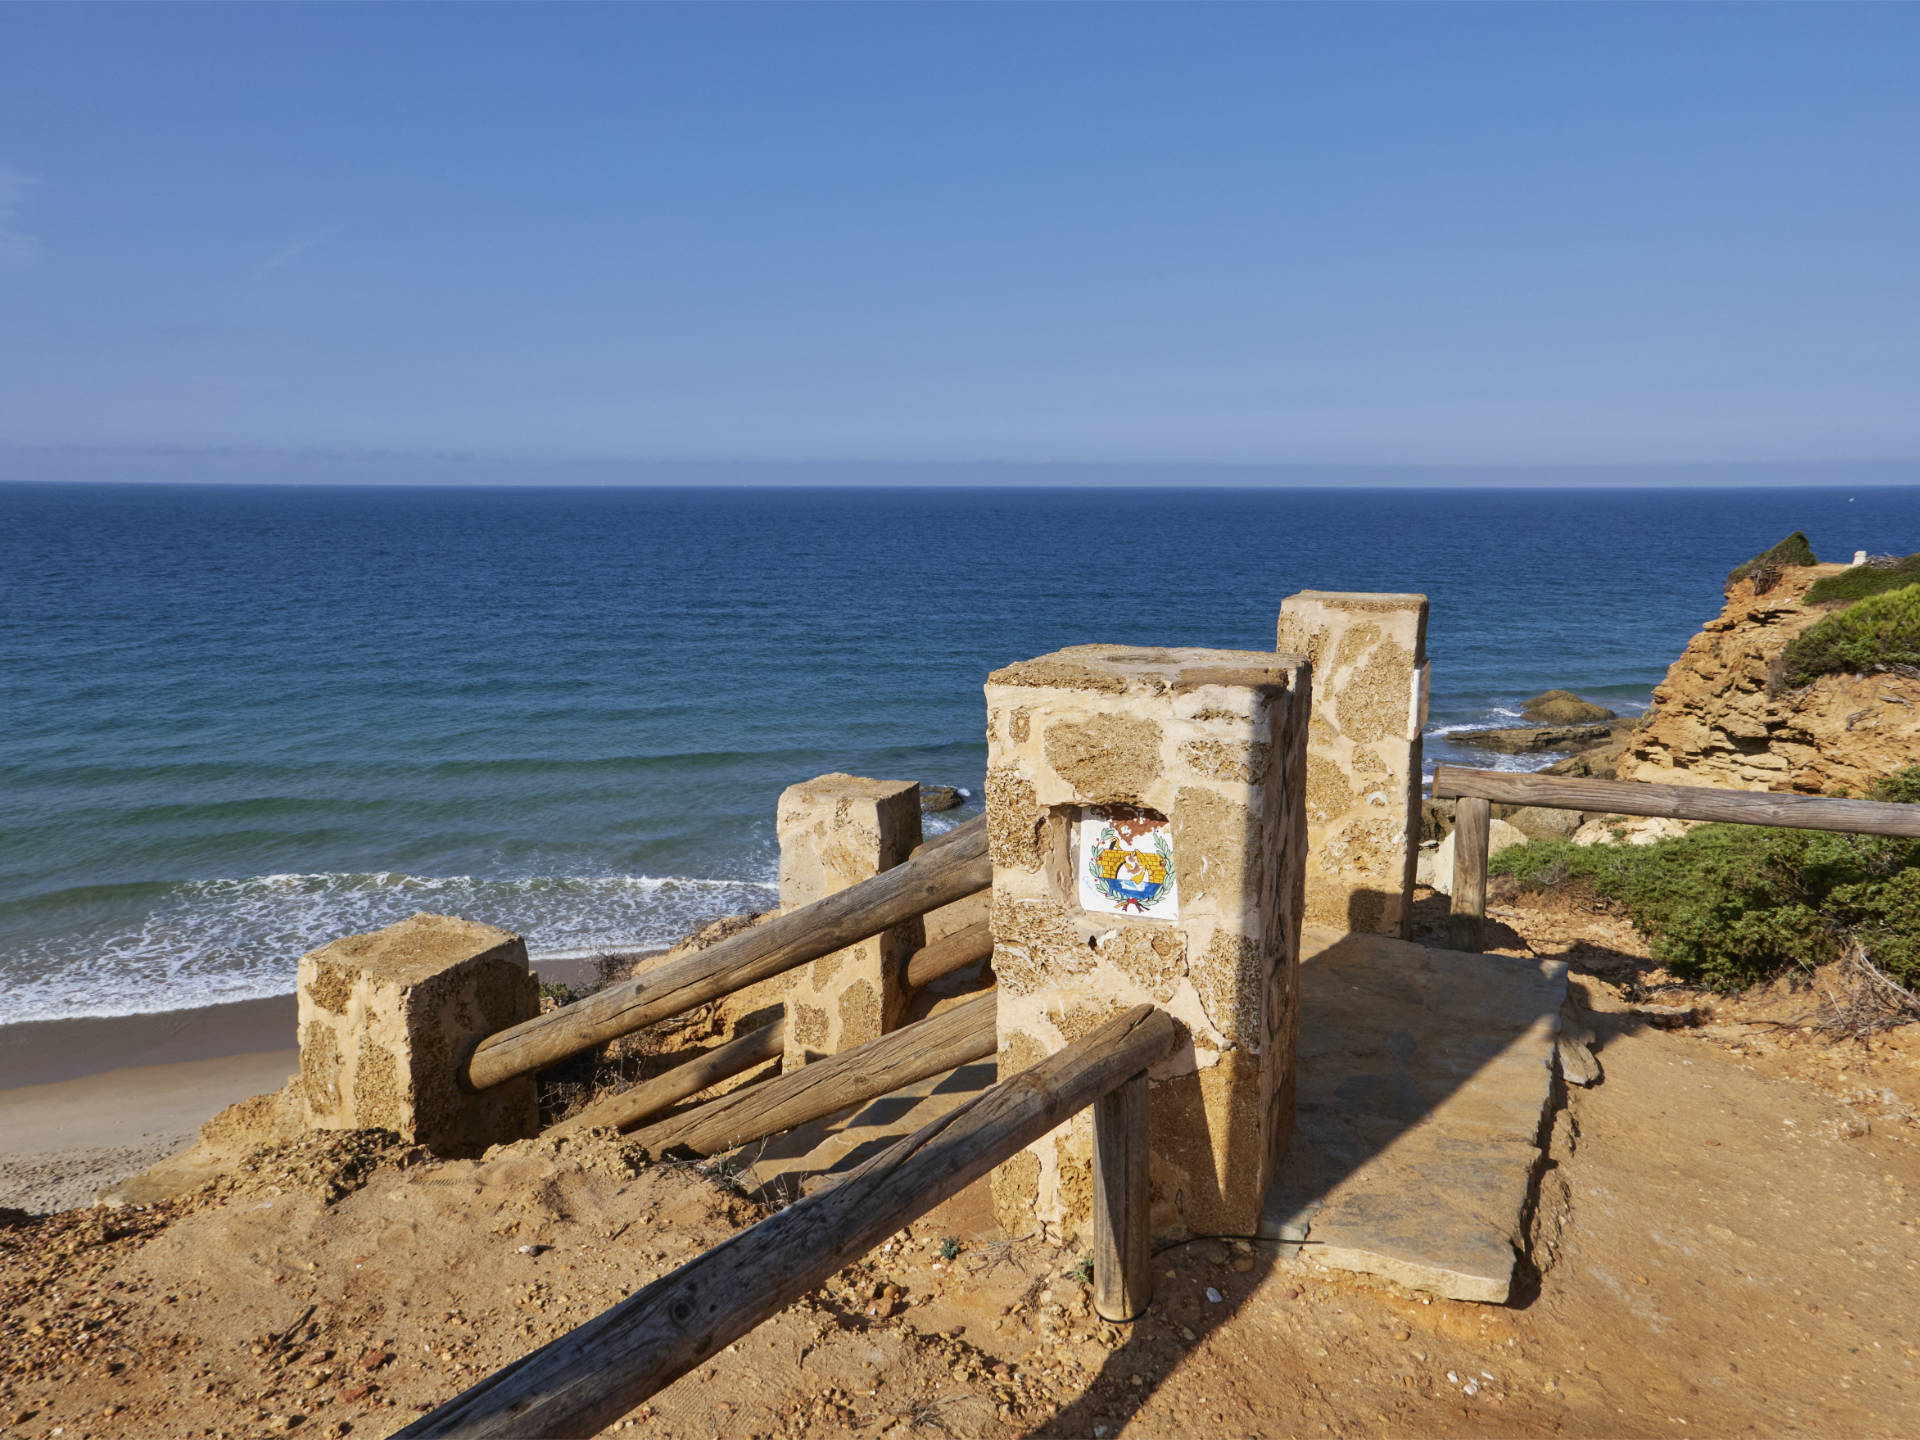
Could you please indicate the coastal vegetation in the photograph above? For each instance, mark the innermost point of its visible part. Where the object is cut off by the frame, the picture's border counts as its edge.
(1733, 905)
(1878, 633)
(1876, 577)
(1763, 568)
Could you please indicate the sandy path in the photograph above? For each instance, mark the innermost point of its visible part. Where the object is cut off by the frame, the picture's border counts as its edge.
(1731, 1252)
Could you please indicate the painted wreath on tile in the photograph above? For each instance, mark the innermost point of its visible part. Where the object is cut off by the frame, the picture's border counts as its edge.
(1130, 861)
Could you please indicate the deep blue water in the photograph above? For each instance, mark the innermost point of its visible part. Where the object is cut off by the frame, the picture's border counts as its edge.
(235, 722)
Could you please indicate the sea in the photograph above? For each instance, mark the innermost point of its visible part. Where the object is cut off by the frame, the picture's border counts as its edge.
(238, 721)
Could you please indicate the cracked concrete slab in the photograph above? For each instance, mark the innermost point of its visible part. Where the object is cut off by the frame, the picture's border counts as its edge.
(1424, 1078)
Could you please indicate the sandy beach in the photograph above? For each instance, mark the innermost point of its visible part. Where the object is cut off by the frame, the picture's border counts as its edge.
(85, 1103)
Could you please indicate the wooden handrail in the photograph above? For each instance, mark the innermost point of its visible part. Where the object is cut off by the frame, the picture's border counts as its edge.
(826, 1087)
(631, 1107)
(1477, 790)
(586, 1379)
(1678, 802)
(937, 876)
(690, 1077)
(949, 953)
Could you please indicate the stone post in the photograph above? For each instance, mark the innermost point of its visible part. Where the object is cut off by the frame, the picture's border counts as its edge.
(387, 1021)
(1369, 657)
(1146, 825)
(835, 831)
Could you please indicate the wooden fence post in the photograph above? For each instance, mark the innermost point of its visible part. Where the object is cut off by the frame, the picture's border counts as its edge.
(1472, 821)
(581, 1382)
(1122, 1229)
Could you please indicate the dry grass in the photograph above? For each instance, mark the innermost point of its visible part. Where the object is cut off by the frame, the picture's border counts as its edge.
(1869, 1001)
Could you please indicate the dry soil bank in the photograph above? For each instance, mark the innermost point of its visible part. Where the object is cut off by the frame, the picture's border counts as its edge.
(1726, 1241)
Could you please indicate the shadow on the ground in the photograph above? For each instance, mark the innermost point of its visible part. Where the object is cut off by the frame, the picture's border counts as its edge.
(1388, 1036)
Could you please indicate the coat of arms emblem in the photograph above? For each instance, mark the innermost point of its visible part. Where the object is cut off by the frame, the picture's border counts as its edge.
(1126, 862)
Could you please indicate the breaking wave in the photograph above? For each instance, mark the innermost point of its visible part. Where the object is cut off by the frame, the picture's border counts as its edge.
(143, 949)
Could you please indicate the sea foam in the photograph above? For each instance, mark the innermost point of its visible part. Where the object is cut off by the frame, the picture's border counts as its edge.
(208, 942)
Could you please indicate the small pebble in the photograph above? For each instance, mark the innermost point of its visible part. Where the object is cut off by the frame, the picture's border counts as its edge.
(1214, 1297)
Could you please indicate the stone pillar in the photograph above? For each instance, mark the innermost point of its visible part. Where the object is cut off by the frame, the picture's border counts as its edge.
(835, 831)
(387, 1021)
(1146, 825)
(1369, 657)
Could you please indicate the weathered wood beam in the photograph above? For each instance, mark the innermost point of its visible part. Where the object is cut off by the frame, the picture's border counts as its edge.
(1122, 1225)
(913, 1052)
(1472, 826)
(937, 876)
(1679, 802)
(949, 953)
(589, 1377)
(690, 1077)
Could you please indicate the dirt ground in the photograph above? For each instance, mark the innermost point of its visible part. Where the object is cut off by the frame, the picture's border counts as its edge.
(1725, 1244)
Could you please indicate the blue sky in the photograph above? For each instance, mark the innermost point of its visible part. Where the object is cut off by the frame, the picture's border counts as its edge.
(1290, 234)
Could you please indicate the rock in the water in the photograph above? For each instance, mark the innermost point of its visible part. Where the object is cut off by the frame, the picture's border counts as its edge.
(1563, 707)
(1593, 763)
(941, 797)
(1526, 739)
(1499, 836)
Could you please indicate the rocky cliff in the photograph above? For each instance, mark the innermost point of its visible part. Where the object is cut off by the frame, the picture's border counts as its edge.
(1716, 720)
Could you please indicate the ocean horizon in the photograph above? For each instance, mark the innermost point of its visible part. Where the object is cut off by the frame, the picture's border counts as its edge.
(240, 720)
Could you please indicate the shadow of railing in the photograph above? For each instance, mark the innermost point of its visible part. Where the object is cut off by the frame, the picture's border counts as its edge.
(1396, 1040)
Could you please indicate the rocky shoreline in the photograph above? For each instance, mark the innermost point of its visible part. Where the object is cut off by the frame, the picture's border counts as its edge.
(1597, 743)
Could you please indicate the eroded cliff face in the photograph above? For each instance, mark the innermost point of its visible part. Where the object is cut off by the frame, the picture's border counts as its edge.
(1714, 723)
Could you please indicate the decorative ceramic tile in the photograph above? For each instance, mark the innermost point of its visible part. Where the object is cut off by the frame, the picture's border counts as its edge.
(1124, 857)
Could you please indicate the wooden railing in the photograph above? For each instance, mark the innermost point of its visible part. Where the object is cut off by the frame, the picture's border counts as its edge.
(947, 869)
(589, 1377)
(1478, 791)
(954, 1037)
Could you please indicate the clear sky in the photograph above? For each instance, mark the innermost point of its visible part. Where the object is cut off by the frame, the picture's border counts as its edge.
(1305, 234)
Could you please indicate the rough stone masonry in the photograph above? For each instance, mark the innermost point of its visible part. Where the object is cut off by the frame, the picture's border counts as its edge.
(835, 831)
(1186, 770)
(388, 1019)
(1369, 658)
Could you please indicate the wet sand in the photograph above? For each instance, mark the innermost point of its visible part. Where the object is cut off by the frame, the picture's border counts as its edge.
(69, 1140)
(85, 1103)
(44, 1051)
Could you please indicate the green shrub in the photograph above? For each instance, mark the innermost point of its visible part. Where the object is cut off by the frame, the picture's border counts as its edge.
(1730, 905)
(1878, 632)
(1796, 549)
(1900, 788)
(1864, 580)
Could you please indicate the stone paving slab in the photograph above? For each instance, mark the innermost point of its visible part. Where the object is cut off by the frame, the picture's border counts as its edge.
(1424, 1079)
